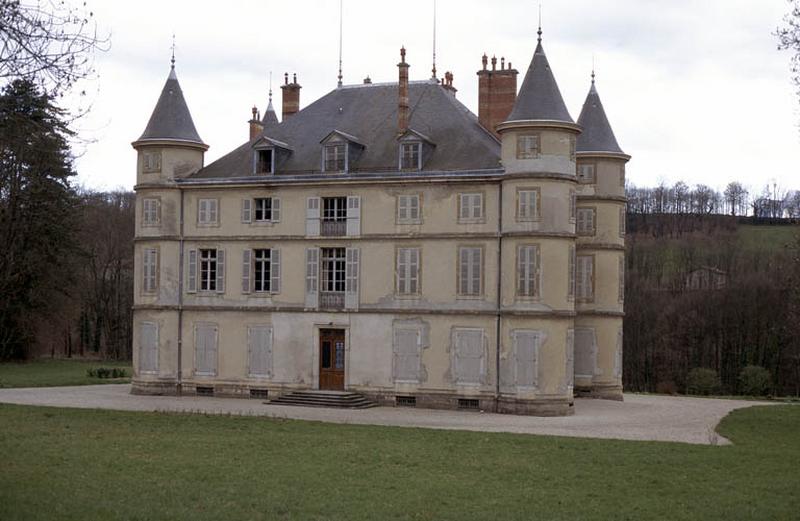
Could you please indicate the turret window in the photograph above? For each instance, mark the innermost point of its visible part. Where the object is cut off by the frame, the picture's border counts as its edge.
(151, 162)
(586, 222)
(334, 158)
(528, 200)
(151, 211)
(410, 156)
(528, 146)
(586, 173)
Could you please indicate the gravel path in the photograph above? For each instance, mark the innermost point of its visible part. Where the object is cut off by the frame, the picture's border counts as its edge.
(639, 417)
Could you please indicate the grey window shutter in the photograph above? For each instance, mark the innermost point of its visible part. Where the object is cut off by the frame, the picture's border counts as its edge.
(353, 215)
(259, 346)
(206, 338)
(275, 271)
(526, 346)
(220, 271)
(247, 210)
(570, 361)
(571, 273)
(148, 347)
(276, 209)
(202, 211)
(312, 278)
(351, 278)
(246, 264)
(312, 216)
(191, 280)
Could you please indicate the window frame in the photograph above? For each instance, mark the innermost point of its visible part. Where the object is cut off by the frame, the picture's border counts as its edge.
(339, 269)
(147, 277)
(263, 219)
(471, 218)
(536, 278)
(209, 284)
(585, 298)
(398, 275)
(266, 274)
(583, 179)
(208, 222)
(402, 155)
(537, 214)
(257, 160)
(583, 232)
(408, 219)
(523, 152)
(147, 161)
(343, 145)
(156, 221)
(481, 269)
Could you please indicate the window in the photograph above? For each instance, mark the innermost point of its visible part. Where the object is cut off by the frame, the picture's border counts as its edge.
(573, 205)
(528, 204)
(150, 212)
(264, 161)
(526, 354)
(469, 363)
(207, 212)
(585, 277)
(621, 296)
(334, 158)
(528, 146)
(334, 216)
(572, 148)
(208, 270)
(261, 210)
(585, 352)
(470, 271)
(259, 349)
(262, 270)
(263, 267)
(622, 217)
(407, 279)
(150, 270)
(408, 209)
(148, 347)
(470, 207)
(151, 162)
(528, 272)
(410, 157)
(205, 344)
(407, 353)
(586, 222)
(571, 274)
(586, 173)
(333, 270)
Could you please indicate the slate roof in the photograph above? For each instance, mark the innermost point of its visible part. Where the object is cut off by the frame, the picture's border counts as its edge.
(171, 118)
(597, 135)
(270, 119)
(369, 111)
(539, 97)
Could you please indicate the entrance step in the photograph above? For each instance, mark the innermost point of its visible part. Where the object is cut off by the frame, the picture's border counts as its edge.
(340, 399)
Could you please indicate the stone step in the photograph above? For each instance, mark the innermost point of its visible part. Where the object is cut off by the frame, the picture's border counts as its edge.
(339, 399)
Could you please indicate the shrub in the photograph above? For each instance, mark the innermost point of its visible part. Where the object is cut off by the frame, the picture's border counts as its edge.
(91, 373)
(754, 380)
(701, 380)
(106, 372)
(666, 387)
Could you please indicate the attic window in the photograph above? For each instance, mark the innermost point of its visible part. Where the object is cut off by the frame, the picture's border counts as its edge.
(334, 157)
(410, 156)
(264, 161)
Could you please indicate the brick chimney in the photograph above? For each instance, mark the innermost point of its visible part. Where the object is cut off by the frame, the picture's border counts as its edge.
(497, 91)
(291, 96)
(403, 111)
(447, 83)
(255, 124)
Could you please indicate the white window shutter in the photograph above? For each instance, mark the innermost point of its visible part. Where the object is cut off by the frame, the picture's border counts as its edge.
(191, 280)
(400, 276)
(275, 271)
(351, 278)
(220, 271)
(413, 269)
(246, 268)
(148, 347)
(202, 211)
(537, 271)
(571, 273)
(570, 361)
(312, 278)
(276, 209)
(590, 221)
(353, 215)
(259, 346)
(212, 211)
(312, 216)
(247, 210)
(590, 277)
(526, 347)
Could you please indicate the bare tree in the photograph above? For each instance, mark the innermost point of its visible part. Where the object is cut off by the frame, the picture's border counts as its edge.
(789, 39)
(47, 42)
(736, 198)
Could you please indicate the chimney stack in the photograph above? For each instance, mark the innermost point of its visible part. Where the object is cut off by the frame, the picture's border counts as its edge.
(403, 107)
(291, 96)
(255, 124)
(447, 83)
(497, 92)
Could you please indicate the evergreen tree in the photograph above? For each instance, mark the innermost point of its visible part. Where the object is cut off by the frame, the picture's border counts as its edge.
(37, 210)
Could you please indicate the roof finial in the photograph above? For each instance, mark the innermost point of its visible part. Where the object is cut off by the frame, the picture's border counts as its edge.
(270, 86)
(172, 61)
(539, 32)
(339, 84)
(592, 69)
(433, 77)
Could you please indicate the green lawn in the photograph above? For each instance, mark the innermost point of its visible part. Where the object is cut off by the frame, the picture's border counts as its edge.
(83, 464)
(51, 373)
(767, 238)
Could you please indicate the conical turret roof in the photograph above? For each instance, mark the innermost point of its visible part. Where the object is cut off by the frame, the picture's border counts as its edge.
(171, 119)
(597, 135)
(270, 118)
(539, 97)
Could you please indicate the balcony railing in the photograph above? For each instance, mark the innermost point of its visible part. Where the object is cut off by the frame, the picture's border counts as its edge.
(331, 300)
(333, 228)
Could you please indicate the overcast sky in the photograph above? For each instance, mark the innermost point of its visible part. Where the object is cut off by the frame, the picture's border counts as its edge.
(695, 90)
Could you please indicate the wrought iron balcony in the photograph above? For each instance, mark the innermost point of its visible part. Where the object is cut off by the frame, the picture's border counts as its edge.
(333, 228)
(331, 300)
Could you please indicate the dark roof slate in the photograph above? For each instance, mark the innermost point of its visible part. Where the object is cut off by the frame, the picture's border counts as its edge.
(369, 111)
(597, 135)
(539, 97)
(171, 118)
(270, 119)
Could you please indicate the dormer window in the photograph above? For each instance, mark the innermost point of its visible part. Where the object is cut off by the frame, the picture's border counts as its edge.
(334, 160)
(410, 156)
(264, 161)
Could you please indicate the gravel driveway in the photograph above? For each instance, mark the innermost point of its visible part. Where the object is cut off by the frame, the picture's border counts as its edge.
(639, 417)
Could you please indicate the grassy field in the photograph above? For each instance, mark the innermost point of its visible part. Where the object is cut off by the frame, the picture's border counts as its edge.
(767, 238)
(81, 464)
(52, 373)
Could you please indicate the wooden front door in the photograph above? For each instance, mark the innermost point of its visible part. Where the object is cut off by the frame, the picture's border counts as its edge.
(331, 359)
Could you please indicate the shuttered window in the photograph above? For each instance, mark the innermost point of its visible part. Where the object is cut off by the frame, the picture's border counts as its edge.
(571, 274)
(312, 216)
(150, 270)
(408, 271)
(526, 358)
(586, 222)
(207, 212)
(312, 277)
(528, 271)
(352, 258)
(586, 173)
(585, 352)
(148, 347)
(211, 268)
(469, 360)
(621, 296)
(528, 146)
(569, 369)
(151, 212)
(622, 222)
(585, 277)
(205, 337)
(528, 204)
(408, 209)
(353, 215)
(407, 354)
(573, 205)
(259, 348)
(470, 271)
(470, 207)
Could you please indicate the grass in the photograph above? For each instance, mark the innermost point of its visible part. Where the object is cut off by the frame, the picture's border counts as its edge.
(83, 464)
(51, 373)
(767, 238)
